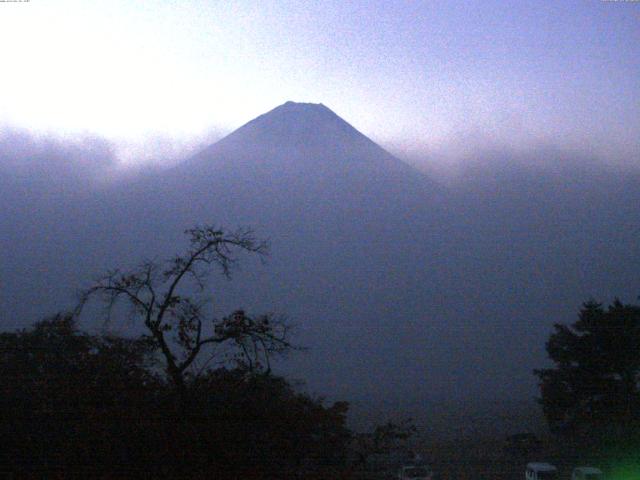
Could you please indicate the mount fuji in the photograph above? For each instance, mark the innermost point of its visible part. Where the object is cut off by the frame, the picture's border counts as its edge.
(402, 290)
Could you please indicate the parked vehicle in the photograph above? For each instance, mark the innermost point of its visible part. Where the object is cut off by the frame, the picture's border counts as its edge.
(586, 473)
(541, 471)
(415, 472)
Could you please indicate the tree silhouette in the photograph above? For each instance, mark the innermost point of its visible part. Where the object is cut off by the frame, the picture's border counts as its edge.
(161, 297)
(594, 384)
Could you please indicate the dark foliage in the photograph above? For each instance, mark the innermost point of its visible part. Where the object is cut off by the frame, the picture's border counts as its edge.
(76, 404)
(593, 389)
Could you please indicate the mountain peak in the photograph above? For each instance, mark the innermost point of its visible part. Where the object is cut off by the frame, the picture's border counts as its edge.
(307, 144)
(294, 125)
(314, 111)
(292, 104)
(301, 136)
(304, 106)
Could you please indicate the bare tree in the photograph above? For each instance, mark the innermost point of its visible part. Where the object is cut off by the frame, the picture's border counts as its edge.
(159, 295)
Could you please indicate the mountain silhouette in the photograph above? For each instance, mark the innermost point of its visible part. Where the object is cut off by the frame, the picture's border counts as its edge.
(353, 230)
(301, 134)
(306, 151)
(401, 290)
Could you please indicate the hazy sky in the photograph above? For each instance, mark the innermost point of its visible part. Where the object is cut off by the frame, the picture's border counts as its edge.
(420, 75)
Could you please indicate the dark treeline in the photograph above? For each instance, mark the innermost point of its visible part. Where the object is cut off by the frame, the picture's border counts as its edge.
(591, 395)
(75, 403)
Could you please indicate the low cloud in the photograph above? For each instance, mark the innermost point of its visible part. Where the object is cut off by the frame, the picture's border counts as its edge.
(81, 162)
(478, 160)
(55, 162)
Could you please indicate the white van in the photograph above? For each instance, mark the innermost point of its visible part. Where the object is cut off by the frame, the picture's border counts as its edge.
(415, 472)
(586, 473)
(541, 471)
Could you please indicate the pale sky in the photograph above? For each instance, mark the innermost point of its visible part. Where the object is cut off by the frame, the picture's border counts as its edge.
(419, 75)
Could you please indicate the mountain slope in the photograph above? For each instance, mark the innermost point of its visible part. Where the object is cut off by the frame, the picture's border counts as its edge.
(304, 133)
(353, 232)
(307, 152)
(401, 291)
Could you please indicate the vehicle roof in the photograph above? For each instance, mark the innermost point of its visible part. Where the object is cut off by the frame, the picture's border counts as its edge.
(541, 467)
(587, 470)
